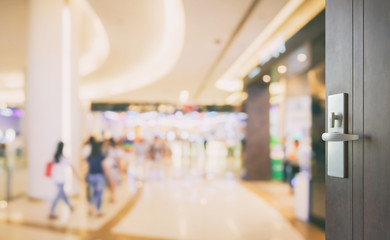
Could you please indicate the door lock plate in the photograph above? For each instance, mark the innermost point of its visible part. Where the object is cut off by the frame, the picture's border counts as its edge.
(337, 123)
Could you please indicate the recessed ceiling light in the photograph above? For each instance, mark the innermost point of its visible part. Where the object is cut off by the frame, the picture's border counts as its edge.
(184, 96)
(301, 57)
(282, 69)
(266, 78)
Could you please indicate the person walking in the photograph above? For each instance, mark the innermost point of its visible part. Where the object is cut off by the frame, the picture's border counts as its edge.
(157, 154)
(140, 149)
(293, 161)
(286, 166)
(87, 148)
(86, 151)
(113, 165)
(95, 178)
(58, 175)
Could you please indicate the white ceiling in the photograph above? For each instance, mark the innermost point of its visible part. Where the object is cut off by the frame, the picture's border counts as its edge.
(210, 47)
(214, 34)
(134, 30)
(13, 34)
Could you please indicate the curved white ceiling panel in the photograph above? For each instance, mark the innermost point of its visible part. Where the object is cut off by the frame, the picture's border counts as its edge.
(160, 28)
(96, 46)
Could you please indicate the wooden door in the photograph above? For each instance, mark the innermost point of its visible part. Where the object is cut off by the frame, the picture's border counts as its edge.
(376, 92)
(358, 63)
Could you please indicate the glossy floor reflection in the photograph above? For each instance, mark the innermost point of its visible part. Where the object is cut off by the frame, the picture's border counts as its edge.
(34, 212)
(8, 231)
(203, 209)
(162, 203)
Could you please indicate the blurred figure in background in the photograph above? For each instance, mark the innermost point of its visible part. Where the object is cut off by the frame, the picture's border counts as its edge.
(230, 144)
(105, 146)
(293, 161)
(157, 154)
(87, 148)
(3, 149)
(113, 165)
(95, 177)
(140, 149)
(167, 150)
(285, 162)
(58, 172)
(85, 152)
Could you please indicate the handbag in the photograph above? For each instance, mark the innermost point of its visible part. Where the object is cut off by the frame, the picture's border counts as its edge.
(49, 166)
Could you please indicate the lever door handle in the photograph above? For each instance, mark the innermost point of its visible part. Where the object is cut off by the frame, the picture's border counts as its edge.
(339, 137)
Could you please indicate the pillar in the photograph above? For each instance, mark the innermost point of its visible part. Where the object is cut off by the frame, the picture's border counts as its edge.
(52, 97)
(257, 161)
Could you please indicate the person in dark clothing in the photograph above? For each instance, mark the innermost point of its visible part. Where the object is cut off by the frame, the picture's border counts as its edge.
(86, 151)
(95, 177)
(286, 166)
(293, 161)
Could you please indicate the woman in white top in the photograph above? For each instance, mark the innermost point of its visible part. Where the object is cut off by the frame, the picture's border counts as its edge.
(58, 175)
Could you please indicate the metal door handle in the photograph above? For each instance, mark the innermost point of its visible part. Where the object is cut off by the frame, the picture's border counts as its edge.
(339, 137)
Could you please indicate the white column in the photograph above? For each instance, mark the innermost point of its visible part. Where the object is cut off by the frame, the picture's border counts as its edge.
(74, 96)
(51, 92)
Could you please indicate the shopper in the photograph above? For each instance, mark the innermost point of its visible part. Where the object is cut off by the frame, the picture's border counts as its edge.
(140, 149)
(230, 144)
(293, 161)
(113, 165)
(157, 154)
(87, 148)
(58, 175)
(286, 166)
(86, 151)
(95, 178)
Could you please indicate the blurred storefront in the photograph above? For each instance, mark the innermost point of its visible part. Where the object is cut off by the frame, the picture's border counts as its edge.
(193, 133)
(12, 163)
(292, 80)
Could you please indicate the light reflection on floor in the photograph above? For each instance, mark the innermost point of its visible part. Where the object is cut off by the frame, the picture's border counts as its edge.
(195, 208)
(193, 197)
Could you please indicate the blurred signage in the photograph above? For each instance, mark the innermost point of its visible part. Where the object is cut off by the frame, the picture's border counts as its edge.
(163, 108)
(272, 50)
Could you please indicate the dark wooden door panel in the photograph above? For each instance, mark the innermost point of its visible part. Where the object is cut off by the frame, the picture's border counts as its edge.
(339, 62)
(358, 63)
(357, 121)
(377, 119)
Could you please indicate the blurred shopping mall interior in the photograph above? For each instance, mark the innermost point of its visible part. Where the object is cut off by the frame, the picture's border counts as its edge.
(162, 119)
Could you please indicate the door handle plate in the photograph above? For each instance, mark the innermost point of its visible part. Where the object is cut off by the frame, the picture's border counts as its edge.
(337, 145)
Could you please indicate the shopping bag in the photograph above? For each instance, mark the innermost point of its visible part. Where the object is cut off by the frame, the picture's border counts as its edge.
(49, 166)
